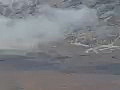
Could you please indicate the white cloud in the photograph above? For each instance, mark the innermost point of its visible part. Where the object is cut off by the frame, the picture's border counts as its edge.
(48, 26)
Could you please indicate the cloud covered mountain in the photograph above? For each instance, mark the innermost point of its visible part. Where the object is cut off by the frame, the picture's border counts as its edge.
(30, 22)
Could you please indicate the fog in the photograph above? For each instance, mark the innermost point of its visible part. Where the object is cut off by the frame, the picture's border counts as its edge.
(48, 26)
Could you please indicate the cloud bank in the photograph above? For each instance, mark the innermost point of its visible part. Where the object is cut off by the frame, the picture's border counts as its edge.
(49, 25)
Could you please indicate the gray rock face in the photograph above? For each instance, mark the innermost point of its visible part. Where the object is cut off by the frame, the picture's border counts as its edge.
(102, 6)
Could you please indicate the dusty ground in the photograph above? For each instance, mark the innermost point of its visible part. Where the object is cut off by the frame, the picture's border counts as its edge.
(50, 80)
(60, 66)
